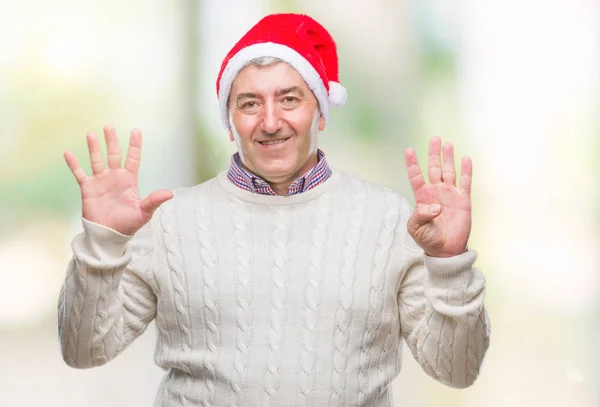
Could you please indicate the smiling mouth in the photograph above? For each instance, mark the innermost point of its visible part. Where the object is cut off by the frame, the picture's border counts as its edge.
(273, 142)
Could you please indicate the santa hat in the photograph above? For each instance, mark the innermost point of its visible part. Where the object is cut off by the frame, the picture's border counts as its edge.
(296, 39)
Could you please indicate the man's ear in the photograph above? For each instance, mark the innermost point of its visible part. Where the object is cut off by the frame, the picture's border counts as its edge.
(321, 123)
(230, 119)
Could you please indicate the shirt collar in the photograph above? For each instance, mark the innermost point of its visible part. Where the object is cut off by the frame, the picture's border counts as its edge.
(244, 179)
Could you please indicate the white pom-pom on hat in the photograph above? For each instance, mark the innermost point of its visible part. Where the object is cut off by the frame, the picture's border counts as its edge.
(337, 94)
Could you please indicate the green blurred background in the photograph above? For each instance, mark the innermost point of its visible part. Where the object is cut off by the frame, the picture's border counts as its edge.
(513, 84)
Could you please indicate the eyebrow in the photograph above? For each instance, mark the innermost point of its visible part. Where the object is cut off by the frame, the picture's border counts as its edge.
(290, 90)
(284, 91)
(245, 95)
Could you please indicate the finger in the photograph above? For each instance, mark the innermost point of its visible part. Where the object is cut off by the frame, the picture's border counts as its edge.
(466, 175)
(448, 172)
(112, 146)
(154, 200)
(134, 152)
(423, 214)
(415, 176)
(74, 166)
(96, 160)
(435, 170)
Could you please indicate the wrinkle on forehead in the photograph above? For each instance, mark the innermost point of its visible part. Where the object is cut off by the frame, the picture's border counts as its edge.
(268, 81)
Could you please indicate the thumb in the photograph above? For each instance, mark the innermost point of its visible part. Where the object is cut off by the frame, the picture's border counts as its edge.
(423, 214)
(154, 200)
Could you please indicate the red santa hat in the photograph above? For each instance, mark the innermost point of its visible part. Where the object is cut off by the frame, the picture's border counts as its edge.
(296, 39)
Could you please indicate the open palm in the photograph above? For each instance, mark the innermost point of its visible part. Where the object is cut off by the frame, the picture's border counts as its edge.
(110, 196)
(441, 220)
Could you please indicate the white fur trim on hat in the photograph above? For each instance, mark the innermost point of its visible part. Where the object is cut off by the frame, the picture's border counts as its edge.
(287, 54)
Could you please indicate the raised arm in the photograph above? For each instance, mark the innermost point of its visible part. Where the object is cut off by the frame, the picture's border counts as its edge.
(107, 299)
(441, 295)
(443, 316)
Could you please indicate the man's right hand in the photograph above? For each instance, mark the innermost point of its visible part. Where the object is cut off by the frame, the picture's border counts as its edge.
(110, 196)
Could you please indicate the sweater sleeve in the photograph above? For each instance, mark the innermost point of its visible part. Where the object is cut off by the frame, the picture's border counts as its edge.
(443, 317)
(104, 302)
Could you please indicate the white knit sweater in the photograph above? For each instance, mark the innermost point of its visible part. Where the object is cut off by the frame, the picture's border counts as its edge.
(275, 300)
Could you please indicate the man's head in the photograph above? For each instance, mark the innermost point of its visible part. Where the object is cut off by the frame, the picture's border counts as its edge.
(274, 120)
(274, 88)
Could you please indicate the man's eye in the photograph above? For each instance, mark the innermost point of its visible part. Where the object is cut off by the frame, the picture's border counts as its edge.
(249, 105)
(290, 99)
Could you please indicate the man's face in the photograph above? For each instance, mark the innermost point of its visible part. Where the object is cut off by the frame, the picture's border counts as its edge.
(275, 120)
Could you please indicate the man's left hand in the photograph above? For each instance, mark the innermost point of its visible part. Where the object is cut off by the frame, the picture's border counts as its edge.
(441, 220)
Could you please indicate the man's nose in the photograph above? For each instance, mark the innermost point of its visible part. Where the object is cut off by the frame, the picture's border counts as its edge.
(272, 119)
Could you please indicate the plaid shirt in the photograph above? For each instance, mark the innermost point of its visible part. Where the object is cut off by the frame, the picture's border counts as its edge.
(250, 182)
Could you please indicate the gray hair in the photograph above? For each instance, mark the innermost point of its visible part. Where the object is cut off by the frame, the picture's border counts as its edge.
(263, 61)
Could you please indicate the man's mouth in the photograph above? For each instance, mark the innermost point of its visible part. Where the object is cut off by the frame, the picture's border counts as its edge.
(273, 142)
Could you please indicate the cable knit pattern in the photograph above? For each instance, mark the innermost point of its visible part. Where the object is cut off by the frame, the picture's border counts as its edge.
(244, 297)
(179, 281)
(75, 317)
(99, 349)
(209, 291)
(282, 217)
(391, 219)
(445, 351)
(377, 293)
(308, 354)
(164, 339)
(343, 317)
(475, 321)
(275, 300)
(60, 310)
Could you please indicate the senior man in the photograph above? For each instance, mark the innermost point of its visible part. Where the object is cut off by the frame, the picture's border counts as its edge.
(281, 281)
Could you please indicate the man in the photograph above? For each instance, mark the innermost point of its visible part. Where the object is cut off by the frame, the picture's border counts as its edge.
(281, 281)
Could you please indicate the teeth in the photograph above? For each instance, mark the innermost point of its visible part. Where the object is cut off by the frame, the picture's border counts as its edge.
(268, 143)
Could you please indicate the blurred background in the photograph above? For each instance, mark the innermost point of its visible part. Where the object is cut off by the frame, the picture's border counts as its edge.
(513, 84)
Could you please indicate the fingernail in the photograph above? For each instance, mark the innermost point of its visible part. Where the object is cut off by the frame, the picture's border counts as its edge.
(435, 208)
